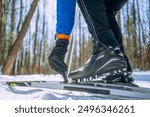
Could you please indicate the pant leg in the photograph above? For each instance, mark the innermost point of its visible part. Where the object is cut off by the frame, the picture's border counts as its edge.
(94, 13)
(117, 4)
(65, 16)
(115, 27)
(112, 6)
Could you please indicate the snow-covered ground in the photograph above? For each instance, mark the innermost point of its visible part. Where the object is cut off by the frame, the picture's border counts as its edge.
(29, 93)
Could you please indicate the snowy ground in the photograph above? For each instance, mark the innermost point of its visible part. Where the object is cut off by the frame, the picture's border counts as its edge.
(28, 93)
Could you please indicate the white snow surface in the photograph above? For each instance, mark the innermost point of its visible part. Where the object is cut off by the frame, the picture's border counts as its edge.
(30, 93)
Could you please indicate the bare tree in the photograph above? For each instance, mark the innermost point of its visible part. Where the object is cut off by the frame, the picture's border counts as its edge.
(35, 43)
(7, 67)
(80, 40)
(149, 21)
(0, 28)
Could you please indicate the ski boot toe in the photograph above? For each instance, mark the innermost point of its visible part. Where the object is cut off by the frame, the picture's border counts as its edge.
(76, 74)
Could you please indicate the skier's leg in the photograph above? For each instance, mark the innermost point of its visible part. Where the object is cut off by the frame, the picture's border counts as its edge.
(114, 25)
(65, 21)
(65, 16)
(109, 59)
(116, 5)
(111, 8)
(95, 16)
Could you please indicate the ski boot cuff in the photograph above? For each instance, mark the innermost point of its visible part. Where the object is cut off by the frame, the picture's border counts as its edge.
(62, 42)
(62, 37)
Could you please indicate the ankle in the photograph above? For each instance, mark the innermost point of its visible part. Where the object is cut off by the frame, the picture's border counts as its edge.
(59, 36)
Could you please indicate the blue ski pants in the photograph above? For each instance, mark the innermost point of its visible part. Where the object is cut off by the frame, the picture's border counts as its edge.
(65, 16)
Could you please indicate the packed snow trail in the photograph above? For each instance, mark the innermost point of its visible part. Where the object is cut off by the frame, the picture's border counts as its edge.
(27, 93)
(30, 93)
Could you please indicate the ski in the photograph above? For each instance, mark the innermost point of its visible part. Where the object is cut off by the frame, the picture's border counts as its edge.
(115, 91)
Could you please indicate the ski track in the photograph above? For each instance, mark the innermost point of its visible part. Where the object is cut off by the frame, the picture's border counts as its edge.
(29, 93)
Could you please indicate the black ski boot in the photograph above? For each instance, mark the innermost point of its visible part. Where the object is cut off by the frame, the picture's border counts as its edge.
(103, 61)
(119, 78)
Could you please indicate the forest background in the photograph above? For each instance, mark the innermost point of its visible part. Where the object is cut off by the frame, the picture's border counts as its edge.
(27, 30)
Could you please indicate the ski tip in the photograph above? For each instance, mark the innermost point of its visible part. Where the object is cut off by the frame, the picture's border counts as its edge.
(12, 84)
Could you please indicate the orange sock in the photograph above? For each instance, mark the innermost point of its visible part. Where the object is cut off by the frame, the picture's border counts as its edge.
(63, 36)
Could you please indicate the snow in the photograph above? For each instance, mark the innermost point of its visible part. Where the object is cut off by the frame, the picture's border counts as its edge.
(30, 93)
(142, 76)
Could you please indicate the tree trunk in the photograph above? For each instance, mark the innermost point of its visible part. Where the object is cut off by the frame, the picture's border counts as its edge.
(18, 27)
(7, 67)
(139, 36)
(80, 40)
(12, 25)
(35, 44)
(0, 29)
(20, 17)
(4, 47)
(149, 22)
(40, 56)
(134, 32)
(43, 38)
